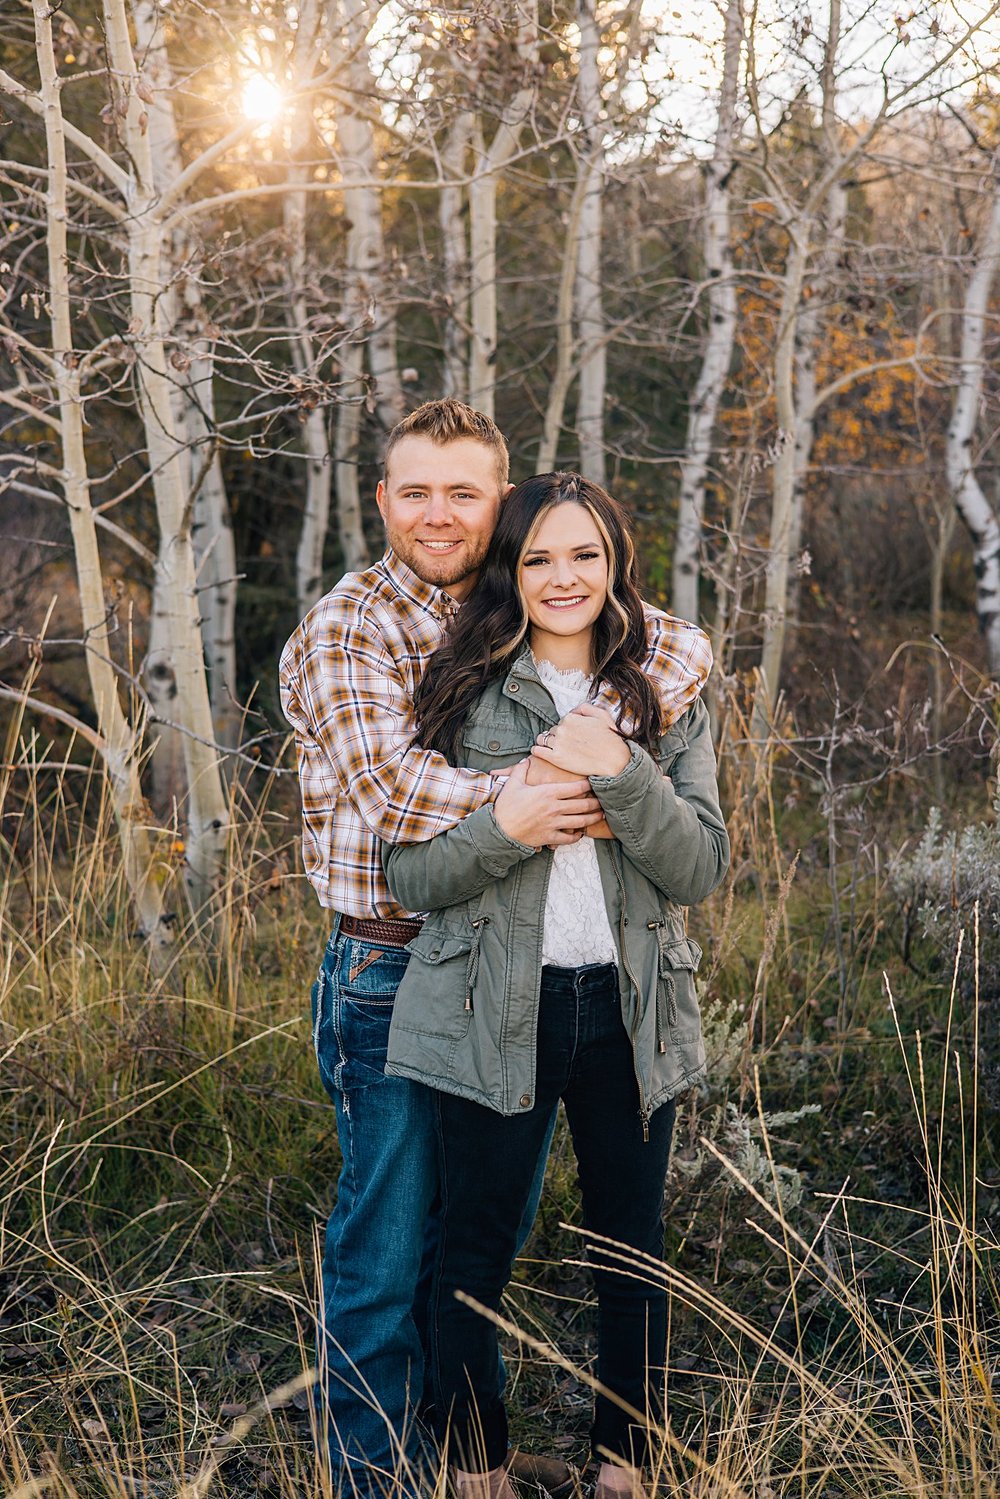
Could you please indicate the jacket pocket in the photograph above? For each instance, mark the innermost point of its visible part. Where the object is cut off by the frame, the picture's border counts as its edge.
(497, 739)
(439, 983)
(678, 1017)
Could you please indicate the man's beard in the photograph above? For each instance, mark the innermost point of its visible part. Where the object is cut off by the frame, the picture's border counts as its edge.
(447, 570)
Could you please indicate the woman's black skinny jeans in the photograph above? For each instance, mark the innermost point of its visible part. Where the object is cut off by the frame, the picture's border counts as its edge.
(487, 1164)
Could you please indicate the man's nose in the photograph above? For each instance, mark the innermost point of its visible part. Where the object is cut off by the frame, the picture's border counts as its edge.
(437, 511)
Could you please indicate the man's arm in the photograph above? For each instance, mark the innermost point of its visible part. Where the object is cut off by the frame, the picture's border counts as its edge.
(679, 662)
(486, 846)
(342, 690)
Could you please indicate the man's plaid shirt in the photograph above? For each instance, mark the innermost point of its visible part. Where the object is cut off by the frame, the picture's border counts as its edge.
(347, 678)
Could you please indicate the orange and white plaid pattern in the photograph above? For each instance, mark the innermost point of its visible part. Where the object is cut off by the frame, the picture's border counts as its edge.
(347, 678)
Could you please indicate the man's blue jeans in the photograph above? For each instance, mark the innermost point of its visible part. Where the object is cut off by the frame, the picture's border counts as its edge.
(382, 1229)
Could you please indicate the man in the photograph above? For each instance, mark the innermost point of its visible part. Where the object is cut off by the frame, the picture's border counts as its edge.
(347, 680)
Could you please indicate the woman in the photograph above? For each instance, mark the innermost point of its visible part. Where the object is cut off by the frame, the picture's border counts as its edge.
(542, 974)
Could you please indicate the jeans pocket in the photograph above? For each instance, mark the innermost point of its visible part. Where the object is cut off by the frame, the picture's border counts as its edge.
(367, 978)
(324, 1033)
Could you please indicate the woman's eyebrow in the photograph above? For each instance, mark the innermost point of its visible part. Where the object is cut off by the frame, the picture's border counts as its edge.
(581, 546)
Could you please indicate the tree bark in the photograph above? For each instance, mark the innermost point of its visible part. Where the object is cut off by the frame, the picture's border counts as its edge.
(832, 224)
(119, 744)
(490, 161)
(363, 315)
(721, 331)
(318, 468)
(194, 407)
(970, 500)
(455, 259)
(555, 407)
(206, 807)
(592, 357)
(779, 539)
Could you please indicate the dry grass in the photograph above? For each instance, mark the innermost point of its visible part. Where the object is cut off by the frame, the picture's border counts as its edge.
(168, 1162)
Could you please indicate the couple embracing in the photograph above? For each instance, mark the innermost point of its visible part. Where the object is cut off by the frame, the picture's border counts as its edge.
(509, 793)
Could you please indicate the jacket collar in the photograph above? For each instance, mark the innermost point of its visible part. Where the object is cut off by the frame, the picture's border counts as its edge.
(523, 685)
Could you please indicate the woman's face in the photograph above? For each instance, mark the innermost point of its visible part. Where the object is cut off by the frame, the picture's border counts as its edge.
(563, 575)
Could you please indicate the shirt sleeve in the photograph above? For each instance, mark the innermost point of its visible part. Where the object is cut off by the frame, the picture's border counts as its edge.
(680, 661)
(349, 700)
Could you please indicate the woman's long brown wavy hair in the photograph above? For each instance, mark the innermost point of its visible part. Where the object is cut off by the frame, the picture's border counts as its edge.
(490, 627)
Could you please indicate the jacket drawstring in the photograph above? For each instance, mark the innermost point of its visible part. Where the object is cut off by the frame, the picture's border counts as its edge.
(472, 972)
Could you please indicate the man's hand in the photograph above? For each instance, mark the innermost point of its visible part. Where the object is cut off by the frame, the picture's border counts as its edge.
(541, 773)
(585, 742)
(545, 816)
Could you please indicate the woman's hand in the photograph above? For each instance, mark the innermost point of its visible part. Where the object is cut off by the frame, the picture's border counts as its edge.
(541, 773)
(585, 742)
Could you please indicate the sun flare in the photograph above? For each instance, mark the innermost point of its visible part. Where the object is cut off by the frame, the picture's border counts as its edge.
(262, 100)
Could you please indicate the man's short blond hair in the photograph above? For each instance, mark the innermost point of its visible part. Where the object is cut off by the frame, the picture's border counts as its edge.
(448, 420)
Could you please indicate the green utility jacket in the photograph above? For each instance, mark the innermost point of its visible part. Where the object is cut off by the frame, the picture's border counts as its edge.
(465, 1015)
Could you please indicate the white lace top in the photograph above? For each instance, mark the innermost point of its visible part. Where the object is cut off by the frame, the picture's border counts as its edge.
(577, 930)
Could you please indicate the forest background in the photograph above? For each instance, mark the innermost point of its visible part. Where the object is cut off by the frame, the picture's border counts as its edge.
(736, 261)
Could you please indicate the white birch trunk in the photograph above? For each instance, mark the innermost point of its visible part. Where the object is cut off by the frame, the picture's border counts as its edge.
(795, 409)
(779, 539)
(721, 331)
(824, 295)
(119, 744)
(206, 807)
(455, 259)
(367, 321)
(970, 500)
(490, 162)
(357, 139)
(319, 473)
(555, 407)
(214, 545)
(352, 536)
(483, 276)
(194, 407)
(592, 357)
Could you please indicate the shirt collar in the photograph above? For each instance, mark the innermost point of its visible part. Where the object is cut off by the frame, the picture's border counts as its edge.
(412, 587)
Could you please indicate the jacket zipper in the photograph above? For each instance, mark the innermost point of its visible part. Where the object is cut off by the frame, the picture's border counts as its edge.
(472, 972)
(670, 990)
(643, 1111)
(661, 1045)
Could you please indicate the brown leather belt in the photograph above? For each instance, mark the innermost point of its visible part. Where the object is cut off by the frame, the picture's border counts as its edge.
(387, 931)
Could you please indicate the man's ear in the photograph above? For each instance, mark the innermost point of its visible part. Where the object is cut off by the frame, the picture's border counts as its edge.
(506, 492)
(380, 498)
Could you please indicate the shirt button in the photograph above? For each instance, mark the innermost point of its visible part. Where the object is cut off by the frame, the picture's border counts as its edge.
(526, 1100)
(494, 744)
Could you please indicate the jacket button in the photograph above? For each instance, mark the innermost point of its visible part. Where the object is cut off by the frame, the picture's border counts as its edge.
(514, 687)
(436, 952)
(494, 744)
(526, 1100)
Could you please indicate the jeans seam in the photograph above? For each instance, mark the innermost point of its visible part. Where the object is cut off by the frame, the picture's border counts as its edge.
(433, 1336)
(338, 1031)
